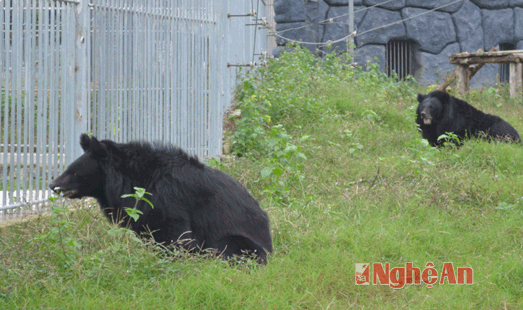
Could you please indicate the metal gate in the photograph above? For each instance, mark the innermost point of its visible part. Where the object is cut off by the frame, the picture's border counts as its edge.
(399, 58)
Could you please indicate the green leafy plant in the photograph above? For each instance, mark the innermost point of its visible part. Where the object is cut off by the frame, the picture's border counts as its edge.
(139, 196)
(353, 144)
(283, 157)
(61, 232)
(450, 139)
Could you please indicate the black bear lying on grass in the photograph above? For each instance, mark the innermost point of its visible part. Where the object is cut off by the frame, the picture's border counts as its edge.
(438, 113)
(195, 207)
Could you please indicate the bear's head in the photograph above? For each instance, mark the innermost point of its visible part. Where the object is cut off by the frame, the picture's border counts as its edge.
(430, 107)
(84, 176)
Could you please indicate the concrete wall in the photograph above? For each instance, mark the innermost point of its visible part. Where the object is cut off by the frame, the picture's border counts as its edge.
(464, 26)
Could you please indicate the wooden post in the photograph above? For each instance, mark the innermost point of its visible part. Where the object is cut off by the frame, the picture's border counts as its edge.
(516, 72)
(463, 78)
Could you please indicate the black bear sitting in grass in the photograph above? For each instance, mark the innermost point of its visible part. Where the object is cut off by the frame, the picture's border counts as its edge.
(195, 207)
(439, 113)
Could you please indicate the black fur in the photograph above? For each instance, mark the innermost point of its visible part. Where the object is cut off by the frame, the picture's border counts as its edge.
(450, 114)
(204, 207)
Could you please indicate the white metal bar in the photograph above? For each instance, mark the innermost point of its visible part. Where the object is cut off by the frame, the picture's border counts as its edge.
(52, 150)
(17, 91)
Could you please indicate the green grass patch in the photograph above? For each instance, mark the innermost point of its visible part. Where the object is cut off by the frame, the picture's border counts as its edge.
(334, 156)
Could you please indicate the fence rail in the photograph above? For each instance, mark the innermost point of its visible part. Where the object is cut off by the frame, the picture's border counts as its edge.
(124, 70)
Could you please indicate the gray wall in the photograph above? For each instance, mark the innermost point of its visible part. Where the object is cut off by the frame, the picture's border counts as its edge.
(464, 26)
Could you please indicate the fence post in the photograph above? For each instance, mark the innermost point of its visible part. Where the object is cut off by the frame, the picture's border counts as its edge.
(81, 83)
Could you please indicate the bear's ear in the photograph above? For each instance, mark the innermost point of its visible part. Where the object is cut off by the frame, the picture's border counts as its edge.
(93, 145)
(98, 149)
(85, 142)
(421, 97)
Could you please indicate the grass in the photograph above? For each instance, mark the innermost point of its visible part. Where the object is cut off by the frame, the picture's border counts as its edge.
(370, 190)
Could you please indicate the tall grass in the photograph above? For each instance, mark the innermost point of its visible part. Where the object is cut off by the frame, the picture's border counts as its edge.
(333, 154)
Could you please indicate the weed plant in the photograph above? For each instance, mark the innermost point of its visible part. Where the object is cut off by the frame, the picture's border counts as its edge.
(333, 154)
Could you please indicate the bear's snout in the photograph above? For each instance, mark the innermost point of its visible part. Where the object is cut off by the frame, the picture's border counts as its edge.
(61, 190)
(54, 186)
(61, 183)
(427, 120)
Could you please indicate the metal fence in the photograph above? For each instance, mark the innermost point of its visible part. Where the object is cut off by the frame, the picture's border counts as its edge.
(155, 70)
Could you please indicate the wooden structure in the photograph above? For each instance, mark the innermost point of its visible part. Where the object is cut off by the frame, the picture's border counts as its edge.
(468, 64)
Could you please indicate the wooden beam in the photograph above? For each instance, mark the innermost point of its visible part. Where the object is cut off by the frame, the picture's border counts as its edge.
(516, 72)
(476, 59)
(492, 52)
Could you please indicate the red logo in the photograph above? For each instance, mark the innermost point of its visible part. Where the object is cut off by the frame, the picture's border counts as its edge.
(362, 274)
(398, 277)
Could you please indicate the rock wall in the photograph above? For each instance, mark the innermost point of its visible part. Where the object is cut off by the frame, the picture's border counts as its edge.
(464, 26)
